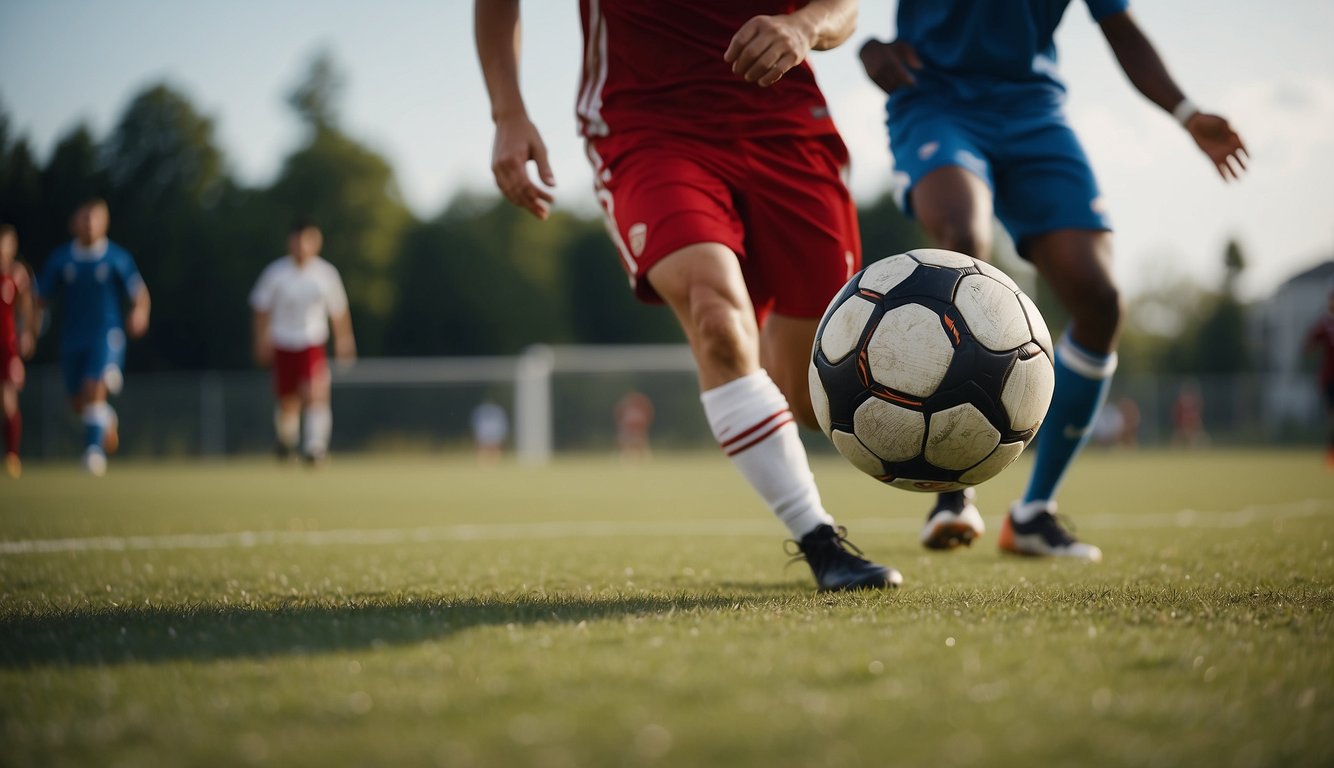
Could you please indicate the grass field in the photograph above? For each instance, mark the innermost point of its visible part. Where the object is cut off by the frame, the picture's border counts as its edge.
(430, 612)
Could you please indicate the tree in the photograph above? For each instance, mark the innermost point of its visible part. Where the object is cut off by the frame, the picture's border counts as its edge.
(350, 192)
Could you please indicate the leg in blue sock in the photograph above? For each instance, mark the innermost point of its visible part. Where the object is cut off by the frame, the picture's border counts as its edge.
(1082, 380)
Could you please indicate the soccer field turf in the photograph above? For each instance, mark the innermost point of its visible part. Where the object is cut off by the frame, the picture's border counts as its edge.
(409, 611)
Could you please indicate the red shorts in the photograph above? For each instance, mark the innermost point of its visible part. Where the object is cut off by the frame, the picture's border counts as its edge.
(779, 203)
(293, 369)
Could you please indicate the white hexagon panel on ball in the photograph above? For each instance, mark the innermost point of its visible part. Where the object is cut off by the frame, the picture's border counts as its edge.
(840, 335)
(993, 313)
(891, 432)
(861, 457)
(1027, 392)
(910, 351)
(885, 275)
(959, 437)
(819, 398)
(938, 257)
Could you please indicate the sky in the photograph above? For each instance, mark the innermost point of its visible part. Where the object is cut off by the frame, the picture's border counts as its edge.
(414, 94)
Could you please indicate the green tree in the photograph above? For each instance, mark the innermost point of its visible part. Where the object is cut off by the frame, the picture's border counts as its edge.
(350, 192)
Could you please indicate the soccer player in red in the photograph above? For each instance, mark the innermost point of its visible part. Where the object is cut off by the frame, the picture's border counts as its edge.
(295, 301)
(1321, 339)
(720, 174)
(17, 323)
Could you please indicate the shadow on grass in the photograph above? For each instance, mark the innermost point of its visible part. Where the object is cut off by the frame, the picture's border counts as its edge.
(150, 634)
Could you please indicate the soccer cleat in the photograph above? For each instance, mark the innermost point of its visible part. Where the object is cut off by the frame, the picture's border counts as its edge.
(1044, 536)
(315, 459)
(284, 453)
(94, 461)
(13, 466)
(837, 562)
(953, 522)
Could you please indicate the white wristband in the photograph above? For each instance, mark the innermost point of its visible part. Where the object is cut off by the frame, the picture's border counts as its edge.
(1185, 111)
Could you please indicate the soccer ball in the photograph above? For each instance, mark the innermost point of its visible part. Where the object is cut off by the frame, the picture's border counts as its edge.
(931, 371)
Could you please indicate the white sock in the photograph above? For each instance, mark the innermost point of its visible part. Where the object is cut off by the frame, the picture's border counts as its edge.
(750, 419)
(319, 424)
(288, 427)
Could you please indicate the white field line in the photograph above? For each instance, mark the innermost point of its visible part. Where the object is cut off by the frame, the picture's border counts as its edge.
(1186, 518)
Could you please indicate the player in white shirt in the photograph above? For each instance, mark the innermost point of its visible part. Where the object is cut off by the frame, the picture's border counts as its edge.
(295, 301)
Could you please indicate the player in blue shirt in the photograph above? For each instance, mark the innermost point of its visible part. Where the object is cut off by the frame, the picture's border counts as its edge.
(93, 276)
(977, 127)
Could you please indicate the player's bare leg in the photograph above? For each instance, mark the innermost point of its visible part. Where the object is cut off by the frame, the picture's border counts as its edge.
(749, 416)
(1077, 264)
(92, 407)
(954, 207)
(785, 352)
(287, 425)
(9, 396)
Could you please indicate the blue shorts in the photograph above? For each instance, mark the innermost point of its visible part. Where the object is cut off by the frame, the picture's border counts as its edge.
(1038, 173)
(98, 357)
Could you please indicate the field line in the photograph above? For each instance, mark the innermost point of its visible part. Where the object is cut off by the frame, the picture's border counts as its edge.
(758, 526)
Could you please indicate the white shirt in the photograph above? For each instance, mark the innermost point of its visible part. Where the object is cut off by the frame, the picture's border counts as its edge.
(300, 301)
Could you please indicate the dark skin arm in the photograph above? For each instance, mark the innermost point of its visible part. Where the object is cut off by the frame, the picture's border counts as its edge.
(1147, 72)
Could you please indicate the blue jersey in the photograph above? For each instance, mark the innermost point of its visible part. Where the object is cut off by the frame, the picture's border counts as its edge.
(92, 283)
(990, 49)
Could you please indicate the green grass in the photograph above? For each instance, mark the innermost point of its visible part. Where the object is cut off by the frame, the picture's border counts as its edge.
(430, 612)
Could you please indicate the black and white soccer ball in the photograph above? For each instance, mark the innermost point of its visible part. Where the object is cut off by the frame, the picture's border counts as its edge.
(931, 371)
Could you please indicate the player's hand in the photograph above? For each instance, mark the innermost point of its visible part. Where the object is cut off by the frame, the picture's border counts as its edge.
(766, 47)
(345, 352)
(263, 353)
(1222, 144)
(890, 65)
(137, 324)
(517, 142)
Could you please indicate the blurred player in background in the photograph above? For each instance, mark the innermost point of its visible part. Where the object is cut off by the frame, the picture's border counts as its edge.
(720, 172)
(1321, 340)
(295, 301)
(92, 276)
(490, 427)
(634, 417)
(977, 127)
(17, 333)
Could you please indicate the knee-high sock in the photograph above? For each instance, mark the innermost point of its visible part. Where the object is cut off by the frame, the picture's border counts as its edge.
(287, 425)
(13, 431)
(319, 425)
(96, 418)
(752, 422)
(1082, 380)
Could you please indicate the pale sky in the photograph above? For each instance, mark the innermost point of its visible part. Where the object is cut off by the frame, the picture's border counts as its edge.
(414, 94)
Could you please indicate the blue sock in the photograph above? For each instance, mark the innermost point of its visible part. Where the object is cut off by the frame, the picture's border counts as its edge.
(1082, 380)
(96, 419)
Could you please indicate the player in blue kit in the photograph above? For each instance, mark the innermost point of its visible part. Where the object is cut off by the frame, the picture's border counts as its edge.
(93, 276)
(977, 127)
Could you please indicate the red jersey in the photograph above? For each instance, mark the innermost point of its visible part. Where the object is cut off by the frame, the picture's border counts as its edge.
(11, 282)
(1322, 338)
(659, 65)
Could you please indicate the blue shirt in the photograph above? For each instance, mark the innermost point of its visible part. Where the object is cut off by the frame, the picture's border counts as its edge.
(989, 49)
(93, 281)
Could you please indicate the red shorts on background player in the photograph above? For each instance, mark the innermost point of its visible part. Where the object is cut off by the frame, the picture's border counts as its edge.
(720, 174)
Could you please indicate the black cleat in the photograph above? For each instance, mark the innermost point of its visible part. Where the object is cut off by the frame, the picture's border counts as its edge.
(837, 562)
(953, 522)
(1045, 536)
(283, 453)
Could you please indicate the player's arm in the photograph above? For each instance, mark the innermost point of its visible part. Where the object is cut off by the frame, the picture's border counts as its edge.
(26, 309)
(496, 30)
(263, 344)
(345, 344)
(766, 47)
(137, 323)
(1147, 72)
